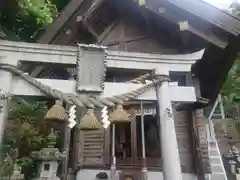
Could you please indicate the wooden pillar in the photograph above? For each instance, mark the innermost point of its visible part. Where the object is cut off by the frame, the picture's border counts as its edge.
(77, 158)
(107, 140)
(133, 135)
(67, 137)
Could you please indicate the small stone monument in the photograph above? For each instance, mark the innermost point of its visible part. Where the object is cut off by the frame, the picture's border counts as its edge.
(49, 159)
(16, 175)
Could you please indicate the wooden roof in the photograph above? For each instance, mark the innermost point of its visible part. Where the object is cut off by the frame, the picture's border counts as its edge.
(210, 14)
(218, 29)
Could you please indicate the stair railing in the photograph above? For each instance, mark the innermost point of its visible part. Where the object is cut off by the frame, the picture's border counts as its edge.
(211, 136)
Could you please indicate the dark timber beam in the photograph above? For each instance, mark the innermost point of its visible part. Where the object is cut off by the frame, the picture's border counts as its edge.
(185, 38)
(89, 14)
(199, 104)
(107, 31)
(209, 36)
(178, 19)
(209, 14)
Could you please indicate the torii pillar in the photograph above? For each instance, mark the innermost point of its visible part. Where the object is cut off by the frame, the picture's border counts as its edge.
(168, 139)
(5, 88)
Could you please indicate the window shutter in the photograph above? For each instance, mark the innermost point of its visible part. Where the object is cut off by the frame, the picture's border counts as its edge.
(92, 147)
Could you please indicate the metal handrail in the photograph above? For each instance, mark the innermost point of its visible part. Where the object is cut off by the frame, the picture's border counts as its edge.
(211, 138)
(208, 139)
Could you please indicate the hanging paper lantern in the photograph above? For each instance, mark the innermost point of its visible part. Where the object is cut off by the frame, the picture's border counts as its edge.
(89, 122)
(56, 112)
(120, 115)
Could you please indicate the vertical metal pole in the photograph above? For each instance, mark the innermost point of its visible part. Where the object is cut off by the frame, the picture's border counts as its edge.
(218, 101)
(211, 126)
(169, 146)
(213, 109)
(144, 168)
(113, 166)
(221, 106)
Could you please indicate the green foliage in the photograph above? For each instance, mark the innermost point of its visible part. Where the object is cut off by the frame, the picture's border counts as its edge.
(27, 18)
(42, 10)
(231, 87)
(26, 132)
(23, 19)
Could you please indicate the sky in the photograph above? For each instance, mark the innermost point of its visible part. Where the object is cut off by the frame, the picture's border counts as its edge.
(223, 4)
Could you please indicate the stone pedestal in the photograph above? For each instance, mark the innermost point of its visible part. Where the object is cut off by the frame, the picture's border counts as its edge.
(144, 174)
(237, 176)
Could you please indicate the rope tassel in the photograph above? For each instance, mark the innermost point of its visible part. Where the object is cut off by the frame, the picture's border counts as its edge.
(120, 115)
(56, 112)
(89, 122)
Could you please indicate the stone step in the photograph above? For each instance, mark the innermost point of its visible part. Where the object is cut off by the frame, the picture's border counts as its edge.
(213, 145)
(217, 177)
(215, 157)
(218, 172)
(213, 153)
(216, 168)
(215, 161)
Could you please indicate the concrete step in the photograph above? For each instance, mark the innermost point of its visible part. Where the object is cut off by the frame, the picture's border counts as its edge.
(218, 172)
(215, 160)
(217, 168)
(213, 153)
(217, 177)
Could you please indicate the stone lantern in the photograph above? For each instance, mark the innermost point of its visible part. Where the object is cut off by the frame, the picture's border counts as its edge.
(48, 159)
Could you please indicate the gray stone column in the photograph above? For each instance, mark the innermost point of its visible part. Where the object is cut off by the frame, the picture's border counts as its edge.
(168, 139)
(5, 89)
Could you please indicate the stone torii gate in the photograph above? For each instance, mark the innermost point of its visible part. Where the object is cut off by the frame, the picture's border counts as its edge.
(90, 91)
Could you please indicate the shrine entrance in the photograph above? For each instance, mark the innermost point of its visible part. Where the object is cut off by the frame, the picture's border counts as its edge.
(123, 141)
(129, 144)
(151, 132)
